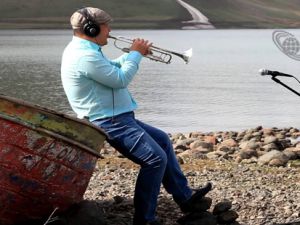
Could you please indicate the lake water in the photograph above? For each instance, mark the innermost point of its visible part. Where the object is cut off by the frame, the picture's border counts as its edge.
(220, 89)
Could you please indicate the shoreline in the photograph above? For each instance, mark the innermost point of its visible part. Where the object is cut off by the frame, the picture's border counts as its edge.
(265, 146)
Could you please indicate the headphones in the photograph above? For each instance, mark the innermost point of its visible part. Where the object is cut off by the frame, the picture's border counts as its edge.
(90, 28)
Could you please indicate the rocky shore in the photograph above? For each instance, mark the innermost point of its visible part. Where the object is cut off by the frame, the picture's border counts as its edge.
(255, 171)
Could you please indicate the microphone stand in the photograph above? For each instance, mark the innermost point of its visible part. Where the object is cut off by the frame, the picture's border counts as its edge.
(284, 85)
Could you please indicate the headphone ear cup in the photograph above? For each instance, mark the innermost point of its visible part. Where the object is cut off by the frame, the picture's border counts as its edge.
(91, 29)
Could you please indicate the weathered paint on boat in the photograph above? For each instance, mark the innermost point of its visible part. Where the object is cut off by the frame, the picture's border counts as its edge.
(46, 160)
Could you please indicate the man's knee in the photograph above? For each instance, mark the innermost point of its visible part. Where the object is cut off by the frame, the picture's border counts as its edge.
(165, 141)
(156, 160)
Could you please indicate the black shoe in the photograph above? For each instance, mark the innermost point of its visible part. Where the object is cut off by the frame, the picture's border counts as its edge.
(187, 206)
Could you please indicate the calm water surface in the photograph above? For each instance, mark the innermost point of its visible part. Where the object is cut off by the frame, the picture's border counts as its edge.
(220, 89)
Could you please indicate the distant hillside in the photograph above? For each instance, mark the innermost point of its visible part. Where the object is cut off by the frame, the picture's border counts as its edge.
(152, 14)
(251, 13)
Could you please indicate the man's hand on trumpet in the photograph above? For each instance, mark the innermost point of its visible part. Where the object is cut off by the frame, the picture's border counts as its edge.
(141, 45)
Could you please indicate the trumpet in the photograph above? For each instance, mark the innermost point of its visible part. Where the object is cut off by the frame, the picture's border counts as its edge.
(157, 54)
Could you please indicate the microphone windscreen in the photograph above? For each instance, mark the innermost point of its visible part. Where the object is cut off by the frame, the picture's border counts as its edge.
(263, 72)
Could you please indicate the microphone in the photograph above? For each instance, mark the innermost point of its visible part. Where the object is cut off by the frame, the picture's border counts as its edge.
(264, 72)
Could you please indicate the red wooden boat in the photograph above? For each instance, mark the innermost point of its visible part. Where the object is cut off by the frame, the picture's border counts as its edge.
(46, 160)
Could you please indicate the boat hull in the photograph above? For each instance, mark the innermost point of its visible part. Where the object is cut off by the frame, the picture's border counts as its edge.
(42, 168)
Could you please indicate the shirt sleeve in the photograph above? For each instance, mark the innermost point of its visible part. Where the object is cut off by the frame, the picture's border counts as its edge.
(119, 61)
(114, 74)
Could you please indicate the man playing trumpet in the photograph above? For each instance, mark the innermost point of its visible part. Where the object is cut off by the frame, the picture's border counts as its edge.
(97, 89)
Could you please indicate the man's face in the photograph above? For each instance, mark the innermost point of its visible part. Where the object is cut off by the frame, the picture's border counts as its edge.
(104, 33)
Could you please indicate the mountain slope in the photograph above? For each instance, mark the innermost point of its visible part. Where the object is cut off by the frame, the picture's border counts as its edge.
(146, 14)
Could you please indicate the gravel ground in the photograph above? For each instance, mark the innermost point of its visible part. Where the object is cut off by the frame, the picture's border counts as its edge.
(260, 194)
(257, 170)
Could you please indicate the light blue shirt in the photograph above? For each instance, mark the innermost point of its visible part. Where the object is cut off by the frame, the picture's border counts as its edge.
(95, 86)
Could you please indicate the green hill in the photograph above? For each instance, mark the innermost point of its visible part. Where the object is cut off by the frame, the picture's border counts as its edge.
(153, 14)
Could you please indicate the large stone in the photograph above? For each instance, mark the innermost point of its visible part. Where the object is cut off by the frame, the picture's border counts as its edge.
(247, 153)
(274, 154)
(247, 137)
(178, 136)
(296, 134)
(283, 144)
(180, 147)
(229, 150)
(252, 144)
(294, 140)
(211, 139)
(202, 205)
(183, 144)
(270, 139)
(296, 150)
(227, 217)
(198, 218)
(221, 207)
(269, 147)
(201, 144)
(280, 136)
(196, 135)
(277, 162)
(268, 132)
(190, 155)
(229, 143)
(240, 136)
(293, 130)
(203, 150)
(292, 153)
(257, 134)
(212, 155)
(85, 212)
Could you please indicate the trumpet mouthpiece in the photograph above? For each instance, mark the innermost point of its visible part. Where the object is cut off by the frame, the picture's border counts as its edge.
(109, 36)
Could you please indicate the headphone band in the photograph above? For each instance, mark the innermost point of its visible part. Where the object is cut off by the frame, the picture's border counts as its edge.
(86, 14)
(90, 27)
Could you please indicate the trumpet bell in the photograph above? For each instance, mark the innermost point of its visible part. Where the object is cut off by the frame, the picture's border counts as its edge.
(187, 55)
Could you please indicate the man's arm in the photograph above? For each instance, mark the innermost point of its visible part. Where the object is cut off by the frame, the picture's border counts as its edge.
(119, 61)
(102, 71)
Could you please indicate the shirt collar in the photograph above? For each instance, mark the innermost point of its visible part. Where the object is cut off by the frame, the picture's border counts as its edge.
(86, 43)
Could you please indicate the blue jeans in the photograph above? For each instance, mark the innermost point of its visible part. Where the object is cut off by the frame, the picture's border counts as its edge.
(152, 149)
